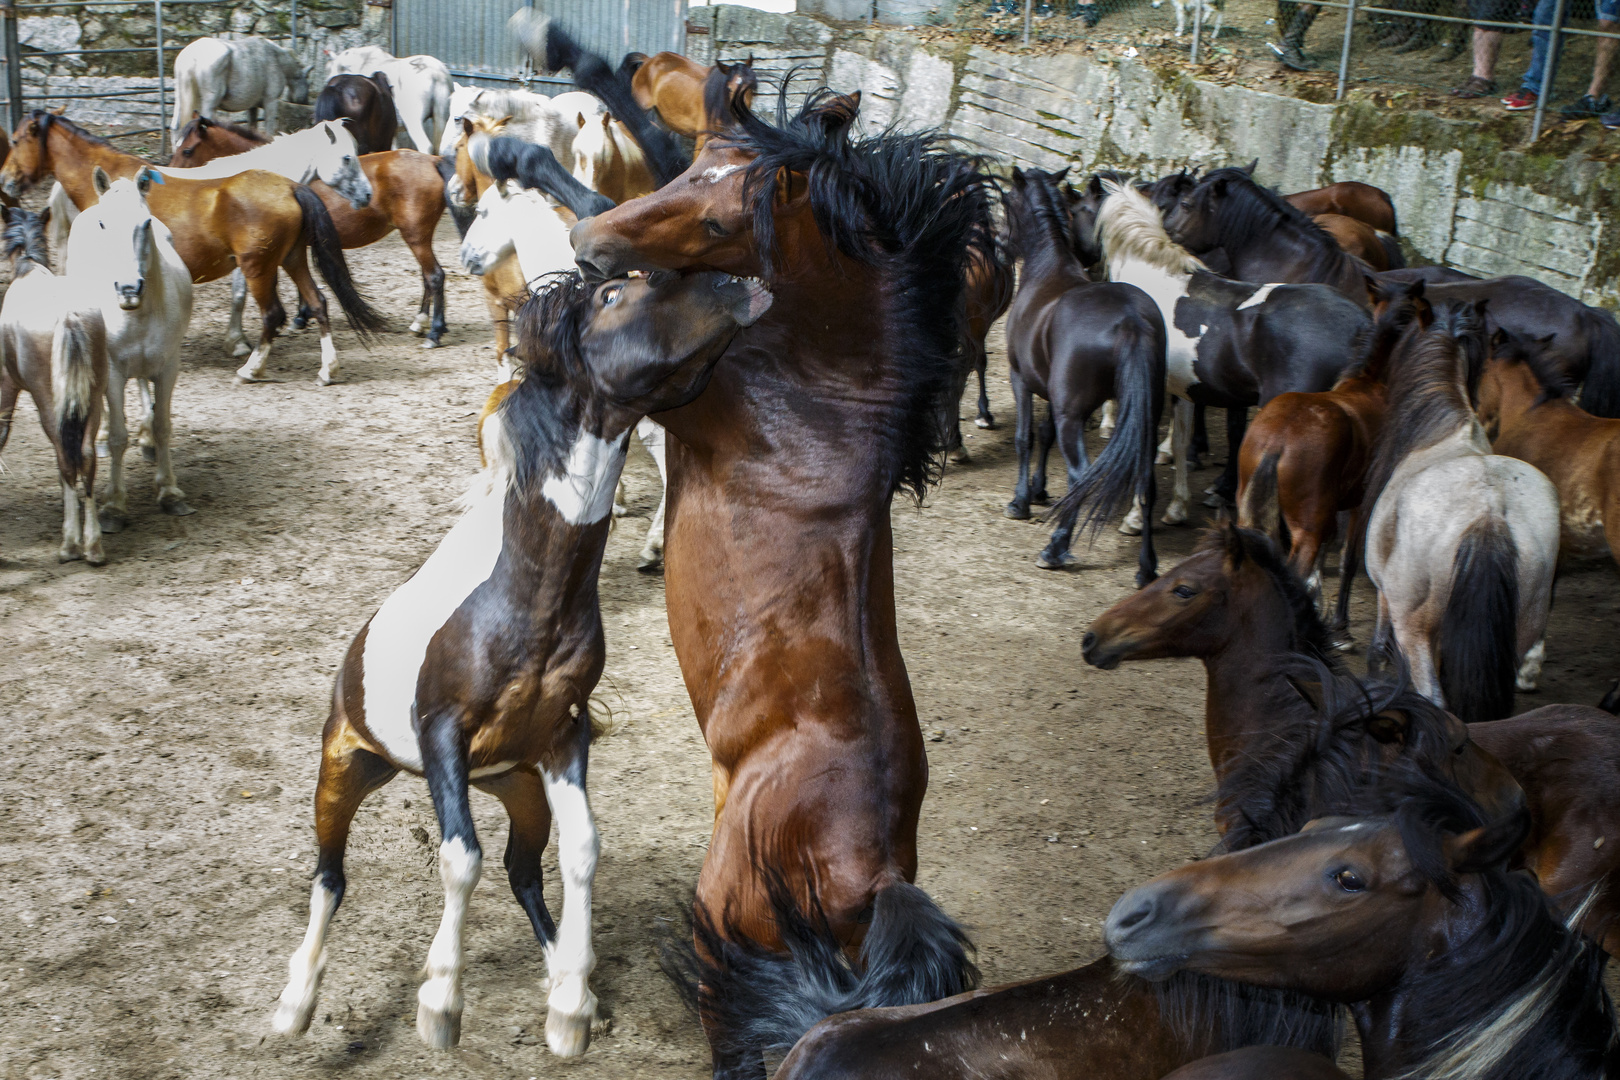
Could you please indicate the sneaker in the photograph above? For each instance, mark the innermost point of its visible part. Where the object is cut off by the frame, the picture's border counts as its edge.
(1610, 120)
(1586, 108)
(1520, 101)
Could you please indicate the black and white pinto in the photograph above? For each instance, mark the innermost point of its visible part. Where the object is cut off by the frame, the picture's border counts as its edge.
(477, 672)
(1229, 344)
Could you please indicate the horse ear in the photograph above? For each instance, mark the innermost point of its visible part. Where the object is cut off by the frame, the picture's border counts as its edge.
(99, 181)
(1251, 166)
(1018, 178)
(1376, 292)
(1235, 551)
(1424, 312)
(1219, 187)
(790, 186)
(1059, 178)
(1479, 307)
(60, 110)
(1094, 185)
(466, 125)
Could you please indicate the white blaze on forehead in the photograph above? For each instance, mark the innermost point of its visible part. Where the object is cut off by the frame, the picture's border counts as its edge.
(397, 640)
(583, 494)
(1259, 296)
(716, 173)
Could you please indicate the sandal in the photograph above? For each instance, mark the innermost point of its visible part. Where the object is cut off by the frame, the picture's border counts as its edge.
(1475, 87)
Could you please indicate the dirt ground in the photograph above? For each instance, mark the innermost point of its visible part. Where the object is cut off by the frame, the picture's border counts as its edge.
(160, 720)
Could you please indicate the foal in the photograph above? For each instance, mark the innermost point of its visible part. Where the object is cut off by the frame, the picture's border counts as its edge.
(54, 347)
(479, 669)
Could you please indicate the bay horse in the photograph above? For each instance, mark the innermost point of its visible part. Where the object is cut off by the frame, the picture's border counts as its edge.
(783, 616)
(1352, 199)
(407, 193)
(1230, 344)
(244, 75)
(54, 345)
(1525, 406)
(367, 103)
(1378, 250)
(1405, 910)
(1461, 543)
(1305, 456)
(1098, 1022)
(986, 296)
(254, 221)
(419, 85)
(1077, 344)
(478, 671)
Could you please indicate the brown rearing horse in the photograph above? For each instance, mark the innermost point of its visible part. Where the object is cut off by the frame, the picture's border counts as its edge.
(782, 615)
(673, 86)
(255, 221)
(1304, 457)
(407, 194)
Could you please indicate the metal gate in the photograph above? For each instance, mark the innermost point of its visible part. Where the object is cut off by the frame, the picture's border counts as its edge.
(470, 35)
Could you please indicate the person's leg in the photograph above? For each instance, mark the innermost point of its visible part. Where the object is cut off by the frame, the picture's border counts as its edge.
(1487, 44)
(1605, 51)
(1534, 75)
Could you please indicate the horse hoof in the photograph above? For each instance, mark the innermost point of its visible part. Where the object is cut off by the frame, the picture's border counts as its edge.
(246, 375)
(1041, 498)
(175, 507)
(1525, 687)
(1144, 578)
(299, 322)
(1164, 459)
(1174, 516)
(960, 456)
(149, 454)
(431, 343)
(1017, 511)
(438, 1014)
(325, 380)
(111, 521)
(1128, 529)
(68, 556)
(650, 564)
(1046, 561)
(96, 558)
(241, 348)
(1213, 502)
(987, 422)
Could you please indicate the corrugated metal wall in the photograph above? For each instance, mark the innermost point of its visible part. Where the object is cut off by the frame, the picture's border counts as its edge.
(470, 35)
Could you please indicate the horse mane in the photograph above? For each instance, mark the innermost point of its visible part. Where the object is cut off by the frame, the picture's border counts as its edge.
(24, 240)
(904, 202)
(540, 418)
(240, 130)
(1048, 210)
(718, 92)
(1253, 209)
(536, 167)
(1387, 331)
(1194, 1005)
(1129, 225)
(47, 120)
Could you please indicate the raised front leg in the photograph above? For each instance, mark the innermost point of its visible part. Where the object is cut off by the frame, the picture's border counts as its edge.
(170, 498)
(1024, 402)
(235, 340)
(444, 760)
(1181, 417)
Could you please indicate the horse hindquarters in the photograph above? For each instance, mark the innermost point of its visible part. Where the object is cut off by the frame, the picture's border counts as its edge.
(1476, 644)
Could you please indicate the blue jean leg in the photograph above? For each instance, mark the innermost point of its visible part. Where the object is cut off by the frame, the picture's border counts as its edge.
(1538, 46)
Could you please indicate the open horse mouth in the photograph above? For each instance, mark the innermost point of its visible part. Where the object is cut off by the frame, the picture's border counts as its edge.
(747, 298)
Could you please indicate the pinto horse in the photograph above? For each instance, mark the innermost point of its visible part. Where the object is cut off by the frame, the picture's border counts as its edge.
(1406, 911)
(367, 103)
(254, 221)
(477, 672)
(407, 193)
(783, 616)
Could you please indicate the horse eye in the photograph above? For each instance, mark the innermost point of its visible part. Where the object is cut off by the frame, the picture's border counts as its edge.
(610, 295)
(1186, 592)
(714, 227)
(1349, 881)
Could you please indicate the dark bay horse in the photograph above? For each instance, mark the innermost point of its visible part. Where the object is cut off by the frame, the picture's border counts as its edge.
(1352, 199)
(985, 298)
(367, 102)
(407, 194)
(477, 672)
(782, 614)
(1406, 911)
(1078, 344)
(255, 221)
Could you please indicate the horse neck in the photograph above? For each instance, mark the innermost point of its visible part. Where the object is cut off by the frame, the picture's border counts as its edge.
(1043, 246)
(1520, 391)
(585, 442)
(1283, 254)
(1243, 679)
(74, 161)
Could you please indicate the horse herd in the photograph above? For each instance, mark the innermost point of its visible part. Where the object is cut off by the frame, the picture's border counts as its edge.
(1396, 848)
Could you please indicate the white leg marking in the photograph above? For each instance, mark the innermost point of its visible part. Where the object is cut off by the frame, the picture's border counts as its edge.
(1181, 425)
(329, 361)
(418, 322)
(72, 527)
(254, 367)
(1132, 525)
(1105, 427)
(1167, 452)
(235, 340)
(571, 1005)
(1530, 670)
(438, 1000)
(307, 965)
(651, 435)
(91, 524)
(398, 635)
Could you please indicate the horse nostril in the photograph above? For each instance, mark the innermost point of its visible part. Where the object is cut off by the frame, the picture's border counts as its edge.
(1088, 642)
(1143, 912)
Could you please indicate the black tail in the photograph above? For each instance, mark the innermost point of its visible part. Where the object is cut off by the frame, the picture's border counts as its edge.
(752, 999)
(1258, 507)
(1600, 393)
(74, 386)
(536, 167)
(1392, 250)
(666, 158)
(1125, 467)
(461, 215)
(321, 236)
(1478, 656)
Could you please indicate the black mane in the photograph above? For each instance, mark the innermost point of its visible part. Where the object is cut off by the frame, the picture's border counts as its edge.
(541, 415)
(903, 202)
(1309, 635)
(504, 158)
(1050, 228)
(24, 240)
(1251, 210)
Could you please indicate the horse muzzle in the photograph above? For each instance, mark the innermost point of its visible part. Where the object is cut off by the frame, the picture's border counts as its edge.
(129, 296)
(1144, 934)
(1098, 654)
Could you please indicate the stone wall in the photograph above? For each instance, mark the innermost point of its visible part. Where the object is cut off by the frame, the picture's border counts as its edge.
(1465, 194)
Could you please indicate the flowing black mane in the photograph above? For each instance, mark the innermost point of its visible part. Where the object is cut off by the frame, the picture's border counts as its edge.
(504, 158)
(903, 202)
(24, 240)
(1250, 211)
(540, 416)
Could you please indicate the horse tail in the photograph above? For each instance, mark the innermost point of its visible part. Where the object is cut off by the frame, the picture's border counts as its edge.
(1600, 392)
(1125, 467)
(73, 386)
(752, 998)
(322, 237)
(1478, 656)
(1258, 505)
(1393, 255)
(461, 215)
(1394, 222)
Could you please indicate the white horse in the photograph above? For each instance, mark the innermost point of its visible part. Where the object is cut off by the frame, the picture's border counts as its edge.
(1461, 543)
(421, 87)
(549, 122)
(239, 76)
(54, 345)
(521, 222)
(125, 261)
(461, 98)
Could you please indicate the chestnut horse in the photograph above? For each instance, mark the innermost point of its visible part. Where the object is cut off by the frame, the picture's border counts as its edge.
(1406, 912)
(477, 672)
(1352, 199)
(407, 193)
(254, 221)
(1366, 243)
(782, 614)
(673, 87)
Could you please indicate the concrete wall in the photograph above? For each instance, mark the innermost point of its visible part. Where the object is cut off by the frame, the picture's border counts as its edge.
(1464, 194)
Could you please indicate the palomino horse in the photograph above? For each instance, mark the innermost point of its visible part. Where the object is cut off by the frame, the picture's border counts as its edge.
(367, 103)
(1077, 344)
(1231, 344)
(1461, 543)
(244, 75)
(254, 221)
(1304, 459)
(673, 87)
(1525, 406)
(420, 84)
(143, 289)
(54, 345)
(783, 616)
(477, 672)
(1098, 1023)
(407, 193)
(1451, 964)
